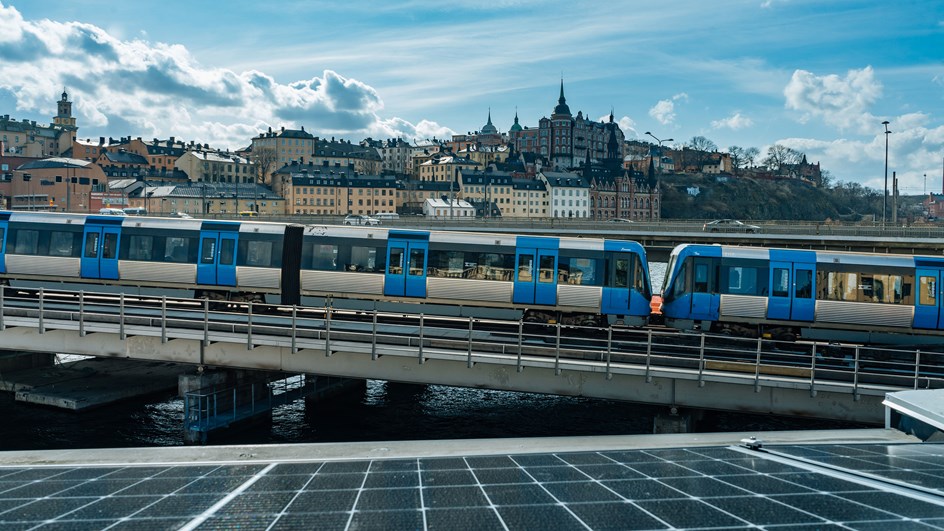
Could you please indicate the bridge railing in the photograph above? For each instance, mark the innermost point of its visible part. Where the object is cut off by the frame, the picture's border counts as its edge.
(644, 352)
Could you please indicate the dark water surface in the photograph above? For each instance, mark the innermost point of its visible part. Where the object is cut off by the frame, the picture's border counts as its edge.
(385, 411)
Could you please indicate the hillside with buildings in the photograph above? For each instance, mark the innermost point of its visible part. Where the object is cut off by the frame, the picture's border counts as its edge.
(568, 166)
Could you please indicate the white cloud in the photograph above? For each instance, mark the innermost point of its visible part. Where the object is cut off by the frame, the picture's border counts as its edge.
(734, 122)
(664, 110)
(156, 89)
(841, 102)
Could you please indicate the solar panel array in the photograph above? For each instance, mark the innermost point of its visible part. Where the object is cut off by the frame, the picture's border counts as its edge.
(717, 487)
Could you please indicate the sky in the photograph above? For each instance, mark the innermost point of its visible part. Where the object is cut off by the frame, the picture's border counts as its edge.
(818, 76)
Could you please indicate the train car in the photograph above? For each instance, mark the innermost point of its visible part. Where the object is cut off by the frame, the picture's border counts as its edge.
(540, 279)
(820, 295)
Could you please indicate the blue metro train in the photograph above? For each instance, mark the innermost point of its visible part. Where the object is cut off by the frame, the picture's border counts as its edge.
(821, 295)
(540, 279)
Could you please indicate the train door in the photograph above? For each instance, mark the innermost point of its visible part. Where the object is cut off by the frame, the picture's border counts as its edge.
(928, 312)
(619, 274)
(407, 256)
(100, 248)
(704, 296)
(536, 271)
(792, 285)
(217, 259)
(4, 221)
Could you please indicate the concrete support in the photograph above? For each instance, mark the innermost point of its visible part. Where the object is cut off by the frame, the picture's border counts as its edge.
(674, 421)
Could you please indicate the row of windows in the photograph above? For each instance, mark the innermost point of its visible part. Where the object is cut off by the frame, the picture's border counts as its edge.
(832, 283)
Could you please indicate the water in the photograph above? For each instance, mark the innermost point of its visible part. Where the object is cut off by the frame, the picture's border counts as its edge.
(385, 411)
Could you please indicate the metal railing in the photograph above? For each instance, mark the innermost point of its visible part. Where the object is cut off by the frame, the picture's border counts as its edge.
(614, 351)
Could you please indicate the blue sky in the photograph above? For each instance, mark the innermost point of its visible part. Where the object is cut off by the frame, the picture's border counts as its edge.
(817, 76)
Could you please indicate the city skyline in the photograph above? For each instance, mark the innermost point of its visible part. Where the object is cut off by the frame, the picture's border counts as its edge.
(819, 78)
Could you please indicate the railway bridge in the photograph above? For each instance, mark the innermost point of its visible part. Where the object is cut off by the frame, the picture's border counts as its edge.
(652, 366)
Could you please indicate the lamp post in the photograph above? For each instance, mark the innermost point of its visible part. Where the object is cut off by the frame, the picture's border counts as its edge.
(885, 196)
(660, 147)
(29, 188)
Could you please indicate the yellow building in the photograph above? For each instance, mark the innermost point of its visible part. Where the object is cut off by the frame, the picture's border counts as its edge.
(216, 167)
(445, 167)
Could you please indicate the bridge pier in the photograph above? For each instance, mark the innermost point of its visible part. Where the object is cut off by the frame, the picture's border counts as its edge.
(219, 401)
(673, 421)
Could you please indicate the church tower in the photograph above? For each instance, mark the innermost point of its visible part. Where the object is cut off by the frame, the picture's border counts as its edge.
(64, 116)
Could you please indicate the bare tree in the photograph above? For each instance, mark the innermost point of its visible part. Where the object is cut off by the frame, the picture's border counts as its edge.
(701, 143)
(265, 160)
(737, 157)
(779, 157)
(750, 156)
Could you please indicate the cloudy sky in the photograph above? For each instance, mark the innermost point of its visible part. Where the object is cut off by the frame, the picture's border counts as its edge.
(817, 76)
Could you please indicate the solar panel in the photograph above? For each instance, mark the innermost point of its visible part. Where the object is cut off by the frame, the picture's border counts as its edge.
(816, 486)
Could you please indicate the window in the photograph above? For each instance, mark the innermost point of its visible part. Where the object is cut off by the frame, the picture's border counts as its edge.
(417, 259)
(804, 284)
(60, 244)
(525, 265)
(396, 261)
(208, 251)
(258, 254)
(780, 286)
(323, 257)
(110, 246)
(176, 250)
(700, 283)
(91, 245)
(227, 251)
(928, 291)
(141, 248)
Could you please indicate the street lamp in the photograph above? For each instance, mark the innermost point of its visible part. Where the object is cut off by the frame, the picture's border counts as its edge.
(885, 196)
(660, 146)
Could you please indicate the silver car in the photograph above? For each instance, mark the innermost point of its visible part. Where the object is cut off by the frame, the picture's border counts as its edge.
(357, 219)
(730, 225)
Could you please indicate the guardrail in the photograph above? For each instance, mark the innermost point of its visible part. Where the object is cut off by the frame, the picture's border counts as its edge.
(643, 352)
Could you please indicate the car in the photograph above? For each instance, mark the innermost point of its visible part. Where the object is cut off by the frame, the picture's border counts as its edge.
(619, 220)
(181, 215)
(730, 225)
(357, 219)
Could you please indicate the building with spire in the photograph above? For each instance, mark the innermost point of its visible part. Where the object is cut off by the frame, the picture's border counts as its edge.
(26, 138)
(566, 140)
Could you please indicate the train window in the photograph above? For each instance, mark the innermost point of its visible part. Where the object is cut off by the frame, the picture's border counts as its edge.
(177, 250)
(208, 251)
(324, 257)
(525, 264)
(61, 243)
(110, 246)
(681, 281)
(546, 269)
(227, 248)
(365, 260)
(928, 291)
(487, 266)
(804, 284)
(449, 264)
(780, 287)
(258, 254)
(639, 277)
(140, 248)
(700, 284)
(581, 271)
(25, 241)
(417, 257)
(91, 245)
(396, 261)
(621, 273)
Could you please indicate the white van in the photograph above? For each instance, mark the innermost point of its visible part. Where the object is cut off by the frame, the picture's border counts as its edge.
(386, 216)
(111, 212)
